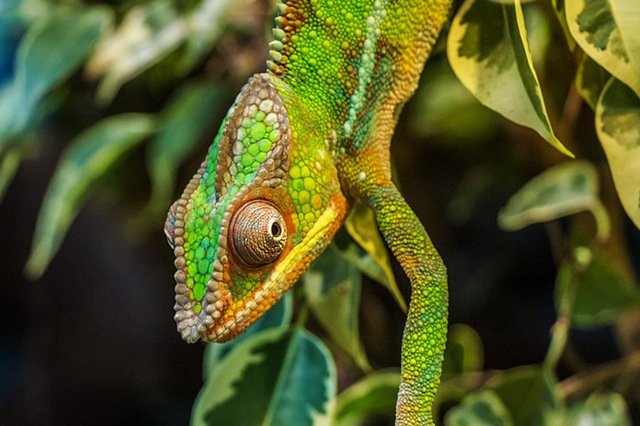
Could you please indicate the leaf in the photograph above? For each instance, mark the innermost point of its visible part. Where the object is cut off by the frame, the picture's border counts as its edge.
(590, 80)
(464, 352)
(148, 33)
(51, 50)
(536, 31)
(602, 409)
(563, 190)
(11, 27)
(332, 287)
(361, 225)
(278, 316)
(86, 159)
(607, 30)
(558, 8)
(529, 395)
(275, 377)
(9, 162)
(183, 123)
(375, 394)
(479, 409)
(618, 128)
(601, 294)
(488, 51)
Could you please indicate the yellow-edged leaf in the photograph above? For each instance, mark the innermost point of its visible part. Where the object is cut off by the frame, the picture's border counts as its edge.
(618, 127)
(489, 52)
(361, 225)
(608, 31)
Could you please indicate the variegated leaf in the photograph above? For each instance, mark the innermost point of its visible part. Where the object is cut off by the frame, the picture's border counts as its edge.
(618, 127)
(488, 50)
(607, 30)
(276, 377)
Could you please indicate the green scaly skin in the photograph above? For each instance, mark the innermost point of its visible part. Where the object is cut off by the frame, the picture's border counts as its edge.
(301, 144)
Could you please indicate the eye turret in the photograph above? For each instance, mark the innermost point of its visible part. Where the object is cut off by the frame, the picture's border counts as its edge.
(258, 233)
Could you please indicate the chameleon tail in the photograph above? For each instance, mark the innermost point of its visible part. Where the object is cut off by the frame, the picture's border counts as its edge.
(426, 327)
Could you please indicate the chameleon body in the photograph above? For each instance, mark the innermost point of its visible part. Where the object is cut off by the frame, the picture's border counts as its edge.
(300, 145)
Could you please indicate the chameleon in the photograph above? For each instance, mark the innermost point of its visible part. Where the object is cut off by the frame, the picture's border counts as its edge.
(303, 142)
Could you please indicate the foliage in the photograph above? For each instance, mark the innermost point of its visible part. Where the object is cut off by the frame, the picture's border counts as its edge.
(499, 51)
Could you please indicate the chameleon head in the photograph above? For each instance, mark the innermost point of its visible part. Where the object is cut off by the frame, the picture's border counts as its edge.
(262, 206)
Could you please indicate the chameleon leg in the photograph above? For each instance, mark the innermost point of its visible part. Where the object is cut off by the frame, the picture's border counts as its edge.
(426, 327)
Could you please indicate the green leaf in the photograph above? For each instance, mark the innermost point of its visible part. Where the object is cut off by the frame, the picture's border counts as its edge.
(332, 286)
(464, 352)
(602, 409)
(361, 225)
(488, 51)
(607, 30)
(51, 50)
(529, 395)
(618, 127)
(148, 33)
(479, 409)
(275, 377)
(278, 316)
(601, 294)
(183, 124)
(9, 162)
(86, 159)
(375, 394)
(590, 80)
(562, 190)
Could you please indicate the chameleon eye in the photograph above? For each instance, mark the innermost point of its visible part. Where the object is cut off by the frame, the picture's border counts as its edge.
(258, 233)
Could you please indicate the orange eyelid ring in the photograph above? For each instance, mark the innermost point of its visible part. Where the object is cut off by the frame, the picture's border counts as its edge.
(257, 234)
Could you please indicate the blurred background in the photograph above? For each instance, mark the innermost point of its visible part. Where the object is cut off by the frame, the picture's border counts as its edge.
(91, 340)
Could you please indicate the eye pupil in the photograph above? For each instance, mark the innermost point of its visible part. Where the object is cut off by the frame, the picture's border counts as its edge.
(275, 229)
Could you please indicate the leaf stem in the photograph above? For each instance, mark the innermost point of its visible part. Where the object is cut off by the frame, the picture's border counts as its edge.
(303, 315)
(596, 376)
(560, 329)
(603, 224)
